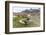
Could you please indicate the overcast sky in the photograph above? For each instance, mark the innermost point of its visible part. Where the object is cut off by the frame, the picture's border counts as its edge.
(19, 9)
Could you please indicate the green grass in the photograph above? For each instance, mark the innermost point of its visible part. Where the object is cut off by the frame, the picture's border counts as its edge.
(35, 22)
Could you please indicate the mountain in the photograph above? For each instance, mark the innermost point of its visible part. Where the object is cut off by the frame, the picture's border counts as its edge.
(28, 11)
(31, 11)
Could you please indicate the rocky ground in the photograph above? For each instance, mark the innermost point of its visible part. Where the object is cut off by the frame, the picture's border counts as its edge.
(34, 23)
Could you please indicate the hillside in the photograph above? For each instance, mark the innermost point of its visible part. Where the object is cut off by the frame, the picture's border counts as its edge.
(30, 11)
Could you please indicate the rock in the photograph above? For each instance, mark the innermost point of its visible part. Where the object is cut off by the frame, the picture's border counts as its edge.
(21, 21)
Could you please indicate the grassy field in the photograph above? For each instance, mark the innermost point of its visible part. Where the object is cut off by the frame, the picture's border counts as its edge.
(35, 22)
